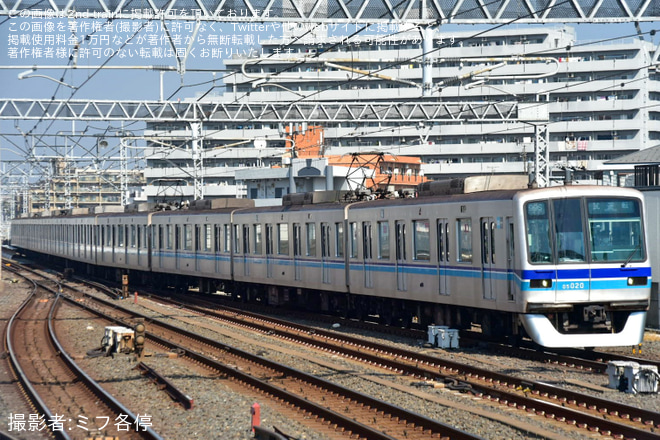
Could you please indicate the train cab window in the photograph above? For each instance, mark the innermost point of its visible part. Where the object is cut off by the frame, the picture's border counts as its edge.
(538, 232)
(383, 240)
(569, 233)
(339, 239)
(283, 239)
(160, 237)
(421, 240)
(138, 237)
(311, 239)
(257, 239)
(353, 240)
(615, 228)
(198, 238)
(464, 240)
(120, 236)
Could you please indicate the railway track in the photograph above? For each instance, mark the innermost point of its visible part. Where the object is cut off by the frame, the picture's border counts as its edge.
(586, 412)
(68, 403)
(335, 408)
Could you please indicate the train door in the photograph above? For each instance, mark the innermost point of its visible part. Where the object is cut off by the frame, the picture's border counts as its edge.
(246, 250)
(443, 256)
(400, 239)
(367, 254)
(197, 246)
(177, 244)
(510, 260)
(569, 243)
(325, 252)
(297, 251)
(269, 250)
(488, 257)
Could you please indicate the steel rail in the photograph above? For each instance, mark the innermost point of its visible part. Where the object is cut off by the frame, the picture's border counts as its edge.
(329, 415)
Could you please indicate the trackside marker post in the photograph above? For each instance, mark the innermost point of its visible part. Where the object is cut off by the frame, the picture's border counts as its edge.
(135, 298)
(255, 411)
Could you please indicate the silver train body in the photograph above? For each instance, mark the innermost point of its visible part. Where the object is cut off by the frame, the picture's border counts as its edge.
(569, 264)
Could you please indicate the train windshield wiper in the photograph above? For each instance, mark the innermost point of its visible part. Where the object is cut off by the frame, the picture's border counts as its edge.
(638, 247)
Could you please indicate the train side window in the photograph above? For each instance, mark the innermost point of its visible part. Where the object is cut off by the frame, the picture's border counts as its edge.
(421, 240)
(218, 239)
(237, 239)
(354, 240)
(325, 240)
(138, 236)
(283, 239)
(120, 236)
(366, 241)
(443, 240)
(198, 238)
(383, 240)
(311, 239)
(269, 239)
(246, 239)
(187, 237)
(227, 240)
(177, 237)
(464, 240)
(257, 239)
(492, 242)
(169, 236)
(339, 239)
(297, 240)
(208, 237)
(160, 237)
(133, 236)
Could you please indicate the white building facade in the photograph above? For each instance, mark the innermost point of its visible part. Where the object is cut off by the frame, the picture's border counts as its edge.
(450, 99)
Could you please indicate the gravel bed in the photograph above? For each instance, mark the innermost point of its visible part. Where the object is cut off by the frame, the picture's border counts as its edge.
(12, 295)
(221, 412)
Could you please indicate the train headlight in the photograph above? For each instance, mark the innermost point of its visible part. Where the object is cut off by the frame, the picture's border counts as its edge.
(540, 284)
(637, 281)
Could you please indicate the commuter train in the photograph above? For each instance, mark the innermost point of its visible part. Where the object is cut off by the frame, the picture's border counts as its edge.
(567, 266)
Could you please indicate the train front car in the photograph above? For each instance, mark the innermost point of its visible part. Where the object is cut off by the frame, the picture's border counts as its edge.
(585, 278)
